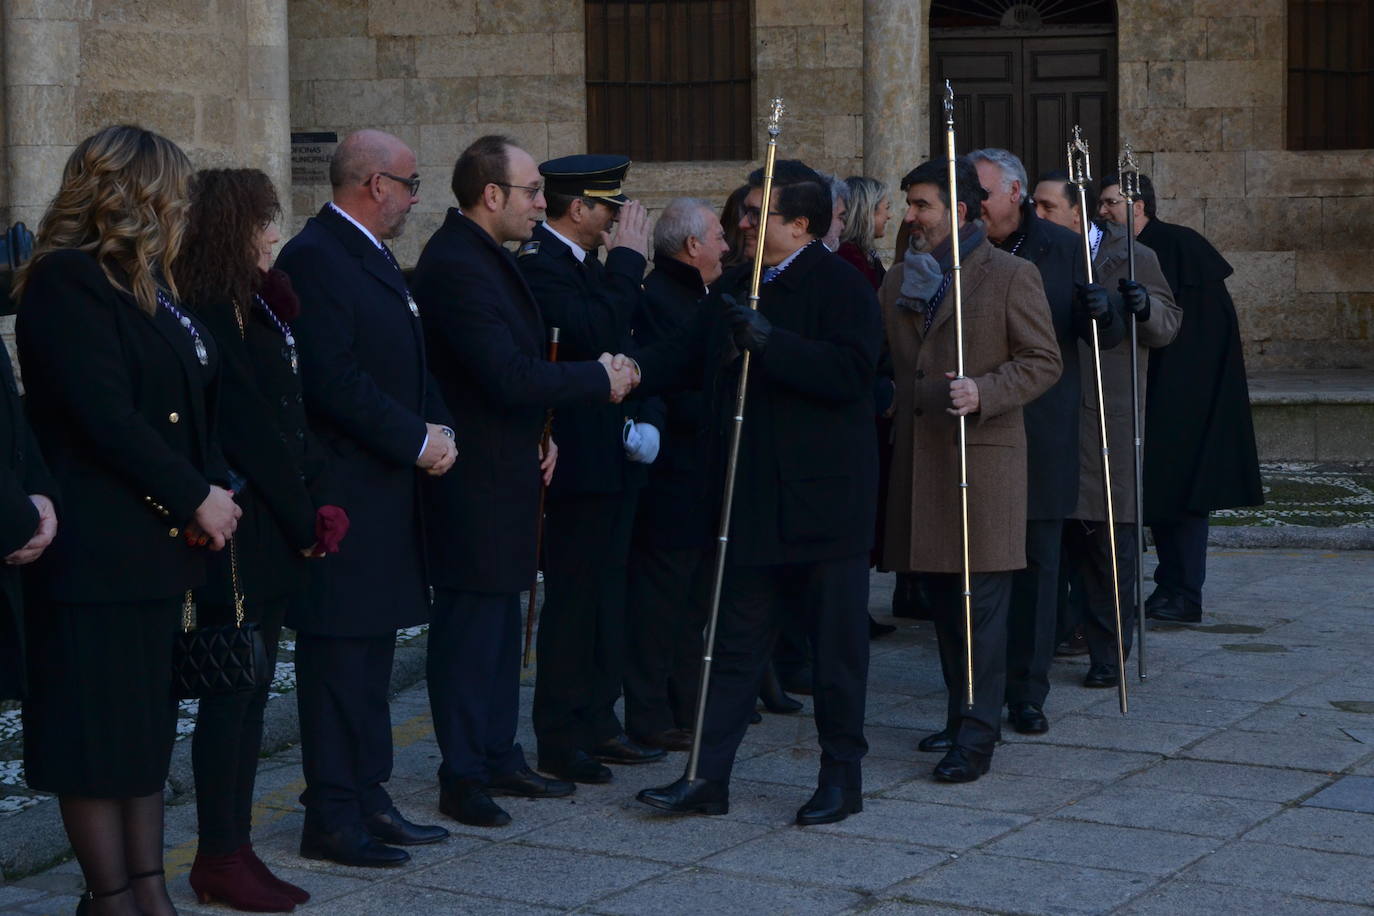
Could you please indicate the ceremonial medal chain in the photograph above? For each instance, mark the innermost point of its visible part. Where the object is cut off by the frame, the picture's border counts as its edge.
(201, 353)
(285, 332)
(1016, 246)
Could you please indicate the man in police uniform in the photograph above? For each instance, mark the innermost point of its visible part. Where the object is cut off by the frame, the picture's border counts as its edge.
(603, 450)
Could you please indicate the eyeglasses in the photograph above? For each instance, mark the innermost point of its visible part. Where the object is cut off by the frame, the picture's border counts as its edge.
(532, 191)
(412, 183)
(751, 214)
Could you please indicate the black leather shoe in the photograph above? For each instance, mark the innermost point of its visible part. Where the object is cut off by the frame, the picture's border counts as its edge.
(689, 796)
(1176, 610)
(1158, 598)
(1028, 719)
(578, 768)
(391, 827)
(755, 717)
(1099, 676)
(468, 802)
(670, 739)
(774, 698)
(1076, 644)
(351, 846)
(940, 741)
(829, 805)
(960, 765)
(621, 749)
(878, 630)
(526, 783)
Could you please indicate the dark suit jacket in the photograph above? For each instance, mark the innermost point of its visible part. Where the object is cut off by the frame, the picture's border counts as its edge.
(592, 305)
(262, 433)
(22, 472)
(806, 484)
(367, 396)
(124, 413)
(488, 346)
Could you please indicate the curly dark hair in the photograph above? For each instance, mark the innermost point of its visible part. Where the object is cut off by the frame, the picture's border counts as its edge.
(219, 258)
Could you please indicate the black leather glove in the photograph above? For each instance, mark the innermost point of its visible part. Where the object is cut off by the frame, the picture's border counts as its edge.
(1093, 301)
(750, 329)
(1136, 297)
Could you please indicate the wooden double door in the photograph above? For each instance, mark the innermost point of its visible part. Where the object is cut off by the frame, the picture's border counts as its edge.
(1025, 94)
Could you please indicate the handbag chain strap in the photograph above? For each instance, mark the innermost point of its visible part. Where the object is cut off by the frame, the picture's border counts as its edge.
(188, 603)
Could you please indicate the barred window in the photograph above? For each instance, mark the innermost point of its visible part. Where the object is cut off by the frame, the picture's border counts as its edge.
(670, 79)
(1330, 74)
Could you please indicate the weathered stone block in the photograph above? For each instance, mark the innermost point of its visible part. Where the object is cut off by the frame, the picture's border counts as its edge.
(1134, 84)
(1264, 224)
(440, 144)
(1167, 88)
(1281, 173)
(1335, 270)
(567, 138)
(1231, 38)
(41, 53)
(303, 104)
(48, 9)
(483, 55)
(350, 58)
(422, 17)
(326, 18)
(1189, 211)
(1199, 174)
(1234, 83)
(266, 68)
(1226, 8)
(1348, 222)
(48, 114)
(167, 14)
(842, 136)
(1271, 36)
(1171, 130)
(265, 22)
(776, 48)
(811, 93)
(360, 103)
(441, 100)
(844, 47)
(515, 17)
(1252, 128)
(172, 114)
(800, 12)
(569, 53)
(555, 98)
(1159, 38)
(35, 173)
(219, 121)
(396, 57)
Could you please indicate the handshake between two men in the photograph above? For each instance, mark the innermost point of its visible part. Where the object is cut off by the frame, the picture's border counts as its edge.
(623, 373)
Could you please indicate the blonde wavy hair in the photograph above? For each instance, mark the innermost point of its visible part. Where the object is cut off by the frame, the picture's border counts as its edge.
(124, 199)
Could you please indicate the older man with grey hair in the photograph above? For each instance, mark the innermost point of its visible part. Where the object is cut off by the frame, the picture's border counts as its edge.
(670, 559)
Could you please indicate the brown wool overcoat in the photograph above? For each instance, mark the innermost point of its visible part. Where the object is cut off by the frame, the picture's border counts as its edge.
(1109, 267)
(1011, 353)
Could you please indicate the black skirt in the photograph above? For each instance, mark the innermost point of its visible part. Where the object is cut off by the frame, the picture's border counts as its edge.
(100, 719)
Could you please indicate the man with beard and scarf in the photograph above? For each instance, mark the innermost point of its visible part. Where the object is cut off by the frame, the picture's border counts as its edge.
(1051, 425)
(1199, 437)
(1011, 357)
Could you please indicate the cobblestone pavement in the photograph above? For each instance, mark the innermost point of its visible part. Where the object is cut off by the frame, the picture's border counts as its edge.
(1242, 781)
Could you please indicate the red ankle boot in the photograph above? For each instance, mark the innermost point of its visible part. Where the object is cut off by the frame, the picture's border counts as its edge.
(286, 888)
(231, 880)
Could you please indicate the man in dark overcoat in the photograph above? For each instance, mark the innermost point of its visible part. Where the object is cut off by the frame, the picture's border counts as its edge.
(1199, 436)
(603, 449)
(1051, 422)
(487, 347)
(1011, 357)
(805, 486)
(377, 413)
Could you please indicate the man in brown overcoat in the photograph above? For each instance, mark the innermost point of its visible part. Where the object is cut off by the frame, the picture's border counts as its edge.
(1010, 357)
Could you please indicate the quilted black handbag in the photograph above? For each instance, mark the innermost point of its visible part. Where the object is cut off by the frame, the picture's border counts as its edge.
(218, 660)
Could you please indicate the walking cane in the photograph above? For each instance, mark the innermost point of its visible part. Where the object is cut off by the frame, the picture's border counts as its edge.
(732, 460)
(959, 373)
(1080, 173)
(539, 523)
(1128, 172)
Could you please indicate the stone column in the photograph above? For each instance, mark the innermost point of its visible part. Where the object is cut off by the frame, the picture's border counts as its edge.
(266, 141)
(895, 89)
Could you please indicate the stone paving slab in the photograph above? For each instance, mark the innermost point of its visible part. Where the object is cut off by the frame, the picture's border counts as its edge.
(1305, 872)
(998, 791)
(827, 859)
(1008, 885)
(1188, 898)
(1230, 780)
(1319, 828)
(1350, 793)
(693, 892)
(946, 827)
(1320, 754)
(1155, 852)
(1157, 809)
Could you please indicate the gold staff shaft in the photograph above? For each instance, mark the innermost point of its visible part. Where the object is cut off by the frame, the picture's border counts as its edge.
(1128, 174)
(1080, 173)
(732, 460)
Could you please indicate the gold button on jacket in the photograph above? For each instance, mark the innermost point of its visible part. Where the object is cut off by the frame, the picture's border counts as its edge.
(174, 416)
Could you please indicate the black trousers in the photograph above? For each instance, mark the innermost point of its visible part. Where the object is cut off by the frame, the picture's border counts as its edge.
(342, 685)
(1033, 615)
(1087, 542)
(473, 668)
(225, 746)
(669, 598)
(831, 598)
(976, 730)
(1182, 549)
(1070, 590)
(581, 640)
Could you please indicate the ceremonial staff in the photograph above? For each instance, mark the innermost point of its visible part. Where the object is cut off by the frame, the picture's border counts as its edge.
(732, 460)
(959, 373)
(1080, 173)
(539, 522)
(1128, 172)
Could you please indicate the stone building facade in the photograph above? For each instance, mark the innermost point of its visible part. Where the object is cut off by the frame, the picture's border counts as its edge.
(1200, 86)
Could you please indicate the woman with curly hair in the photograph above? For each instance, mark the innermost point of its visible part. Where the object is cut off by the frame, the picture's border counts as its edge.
(225, 274)
(121, 382)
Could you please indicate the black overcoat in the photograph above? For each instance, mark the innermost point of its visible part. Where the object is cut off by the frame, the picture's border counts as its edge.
(1199, 437)
(674, 512)
(488, 348)
(367, 396)
(22, 472)
(593, 306)
(807, 478)
(264, 438)
(125, 415)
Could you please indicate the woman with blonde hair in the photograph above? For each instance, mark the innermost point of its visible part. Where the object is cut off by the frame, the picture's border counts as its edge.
(870, 208)
(120, 382)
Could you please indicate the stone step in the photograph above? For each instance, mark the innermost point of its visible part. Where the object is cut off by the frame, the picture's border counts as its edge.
(1324, 416)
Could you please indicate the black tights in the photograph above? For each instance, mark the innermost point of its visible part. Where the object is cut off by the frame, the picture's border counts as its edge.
(114, 839)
